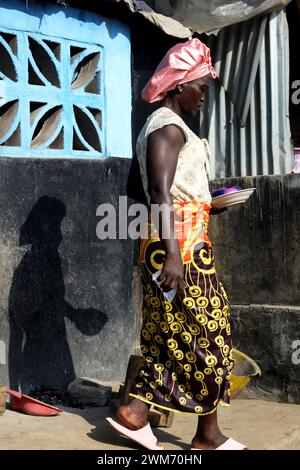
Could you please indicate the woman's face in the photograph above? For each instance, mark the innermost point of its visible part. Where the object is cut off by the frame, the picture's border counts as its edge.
(192, 95)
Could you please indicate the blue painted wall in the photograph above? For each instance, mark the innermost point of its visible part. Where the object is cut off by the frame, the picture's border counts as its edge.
(88, 34)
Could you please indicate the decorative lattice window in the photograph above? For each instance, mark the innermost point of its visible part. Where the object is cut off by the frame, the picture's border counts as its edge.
(53, 98)
(65, 85)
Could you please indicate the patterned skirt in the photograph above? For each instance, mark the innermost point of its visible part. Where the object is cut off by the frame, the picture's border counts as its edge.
(187, 342)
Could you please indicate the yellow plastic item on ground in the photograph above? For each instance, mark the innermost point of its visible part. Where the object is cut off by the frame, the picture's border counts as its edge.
(2, 399)
(243, 371)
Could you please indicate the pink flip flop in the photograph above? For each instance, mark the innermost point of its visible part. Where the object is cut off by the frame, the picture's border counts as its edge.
(143, 436)
(230, 444)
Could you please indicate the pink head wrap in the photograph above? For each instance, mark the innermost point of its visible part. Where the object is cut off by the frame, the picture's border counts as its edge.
(182, 63)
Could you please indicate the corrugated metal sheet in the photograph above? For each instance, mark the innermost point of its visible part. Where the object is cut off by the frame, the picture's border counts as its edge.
(255, 72)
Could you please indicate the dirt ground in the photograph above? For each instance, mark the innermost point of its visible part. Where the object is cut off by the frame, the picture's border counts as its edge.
(257, 423)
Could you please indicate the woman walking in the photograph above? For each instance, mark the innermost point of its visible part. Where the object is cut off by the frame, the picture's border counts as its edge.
(186, 341)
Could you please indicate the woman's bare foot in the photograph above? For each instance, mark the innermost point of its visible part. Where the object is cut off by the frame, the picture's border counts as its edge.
(208, 443)
(134, 415)
(208, 435)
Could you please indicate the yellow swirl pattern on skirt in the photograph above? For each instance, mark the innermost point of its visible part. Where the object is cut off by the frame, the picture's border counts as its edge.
(186, 343)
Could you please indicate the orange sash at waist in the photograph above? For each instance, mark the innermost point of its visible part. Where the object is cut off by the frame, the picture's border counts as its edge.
(191, 228)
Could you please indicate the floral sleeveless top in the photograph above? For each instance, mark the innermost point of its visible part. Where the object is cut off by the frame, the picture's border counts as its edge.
(191, 177)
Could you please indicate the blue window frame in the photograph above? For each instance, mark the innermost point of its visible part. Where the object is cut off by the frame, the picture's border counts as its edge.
(61, 91)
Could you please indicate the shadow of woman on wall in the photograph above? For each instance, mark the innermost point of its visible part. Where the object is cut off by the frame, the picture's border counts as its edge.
(39, 354)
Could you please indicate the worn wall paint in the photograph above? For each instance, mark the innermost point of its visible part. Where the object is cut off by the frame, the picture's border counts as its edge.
(268, 333)
(256, 248)
(256, 244)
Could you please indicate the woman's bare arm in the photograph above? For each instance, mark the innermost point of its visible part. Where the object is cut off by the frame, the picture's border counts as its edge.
(162, 155)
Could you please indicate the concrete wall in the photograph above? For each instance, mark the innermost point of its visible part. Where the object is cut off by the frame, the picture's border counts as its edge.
(257, 254)
(65, 295)
(271, 336)
(259, 240)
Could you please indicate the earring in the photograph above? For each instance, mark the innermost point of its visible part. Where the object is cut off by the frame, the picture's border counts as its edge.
(179, 88)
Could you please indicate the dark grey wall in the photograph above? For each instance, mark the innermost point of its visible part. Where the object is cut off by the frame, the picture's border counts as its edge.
(257, 244)
(257, 253)
(66, 297)
(270, 335)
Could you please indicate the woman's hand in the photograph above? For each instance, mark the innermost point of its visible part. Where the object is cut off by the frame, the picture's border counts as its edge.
(172, 273)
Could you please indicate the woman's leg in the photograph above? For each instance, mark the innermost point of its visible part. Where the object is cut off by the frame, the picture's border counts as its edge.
(208, 435)
(134, 415)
